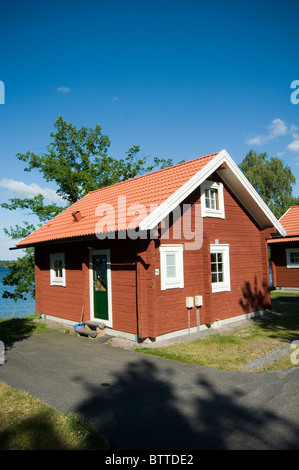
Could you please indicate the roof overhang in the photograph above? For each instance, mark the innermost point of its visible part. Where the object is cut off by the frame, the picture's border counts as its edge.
(239, 185)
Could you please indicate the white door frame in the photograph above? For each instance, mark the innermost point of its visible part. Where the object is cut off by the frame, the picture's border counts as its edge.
(91, 296)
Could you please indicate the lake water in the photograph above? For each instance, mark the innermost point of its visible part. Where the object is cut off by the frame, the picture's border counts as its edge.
(11, 309)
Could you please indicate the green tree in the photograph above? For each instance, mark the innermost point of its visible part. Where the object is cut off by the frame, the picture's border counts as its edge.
(271, 179)
(77, 161)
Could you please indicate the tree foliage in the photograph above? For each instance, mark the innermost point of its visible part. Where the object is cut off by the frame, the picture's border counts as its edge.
(77, 161)
(271, 179)
(21, 276)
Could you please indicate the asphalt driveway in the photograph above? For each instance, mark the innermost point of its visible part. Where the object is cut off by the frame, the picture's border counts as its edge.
(142, 402)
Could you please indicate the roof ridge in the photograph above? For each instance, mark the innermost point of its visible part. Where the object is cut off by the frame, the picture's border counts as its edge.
(153, 172)
(291, 207)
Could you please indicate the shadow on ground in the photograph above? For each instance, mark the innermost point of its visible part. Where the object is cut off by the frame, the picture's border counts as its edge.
(141, 410)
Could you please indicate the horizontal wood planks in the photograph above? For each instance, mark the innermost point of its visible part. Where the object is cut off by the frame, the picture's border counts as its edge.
(282, 275)
(139, 305)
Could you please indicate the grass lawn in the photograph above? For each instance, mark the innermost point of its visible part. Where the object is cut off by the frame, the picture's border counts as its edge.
(234, 349)
(20, 327)
(29, 424)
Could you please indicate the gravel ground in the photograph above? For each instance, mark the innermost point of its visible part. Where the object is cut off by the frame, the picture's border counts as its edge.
(268, 357)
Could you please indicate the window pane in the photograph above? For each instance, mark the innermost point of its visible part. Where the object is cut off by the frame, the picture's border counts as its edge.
(294, 256)
(170, 271)
(170, 265)
(213, 257)
(207, 198)
(211, 199)
(217, 267)
(58, 267)
(213, 267)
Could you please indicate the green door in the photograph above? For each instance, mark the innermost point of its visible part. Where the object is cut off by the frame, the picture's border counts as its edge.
(100, 286)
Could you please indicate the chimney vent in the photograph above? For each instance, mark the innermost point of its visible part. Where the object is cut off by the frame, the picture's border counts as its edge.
(77, 215)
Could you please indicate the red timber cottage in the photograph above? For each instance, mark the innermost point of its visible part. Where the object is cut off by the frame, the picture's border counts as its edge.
(285, 252)
(131, 255)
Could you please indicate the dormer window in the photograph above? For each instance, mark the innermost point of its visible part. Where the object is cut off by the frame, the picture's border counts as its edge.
(212, 203)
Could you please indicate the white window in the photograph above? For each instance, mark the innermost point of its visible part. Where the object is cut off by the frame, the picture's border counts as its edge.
(172, 268)
(220, 272)
(57, 269)
(292, 257)
(212, 202)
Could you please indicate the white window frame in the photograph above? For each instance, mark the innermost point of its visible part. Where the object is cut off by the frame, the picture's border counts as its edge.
(54, 280)
(209, 212)
(290, 264)
(225, 284)
(177, 281)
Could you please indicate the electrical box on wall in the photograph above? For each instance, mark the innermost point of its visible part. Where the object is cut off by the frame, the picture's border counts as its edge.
(198, 300)
(189, 302)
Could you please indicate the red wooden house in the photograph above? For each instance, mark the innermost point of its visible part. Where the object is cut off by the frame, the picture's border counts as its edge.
(285, 252)
(131, 254)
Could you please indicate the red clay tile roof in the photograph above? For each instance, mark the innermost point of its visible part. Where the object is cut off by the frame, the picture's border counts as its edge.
(147, 190)
(290, 222)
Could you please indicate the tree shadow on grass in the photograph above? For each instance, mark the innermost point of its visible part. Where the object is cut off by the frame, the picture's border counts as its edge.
(15, 330)
(148, 408)
(284, 323)
(282, 316)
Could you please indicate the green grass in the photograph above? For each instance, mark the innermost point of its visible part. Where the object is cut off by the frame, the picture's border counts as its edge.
(29, 424)
(20, 327)
(234, 349)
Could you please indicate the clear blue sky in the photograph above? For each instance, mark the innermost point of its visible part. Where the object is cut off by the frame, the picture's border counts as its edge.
(179, 78)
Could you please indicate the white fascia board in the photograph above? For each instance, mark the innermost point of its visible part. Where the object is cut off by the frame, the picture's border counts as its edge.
(252, 193)
(153, 219)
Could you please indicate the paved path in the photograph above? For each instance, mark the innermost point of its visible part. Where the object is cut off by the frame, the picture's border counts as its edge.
(142, 402)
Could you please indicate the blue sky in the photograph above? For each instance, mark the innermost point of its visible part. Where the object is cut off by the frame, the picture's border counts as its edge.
(181, 79)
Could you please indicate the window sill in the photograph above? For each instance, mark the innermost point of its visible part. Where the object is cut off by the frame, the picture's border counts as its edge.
(217, 214)
(220, 288)
(57, 284)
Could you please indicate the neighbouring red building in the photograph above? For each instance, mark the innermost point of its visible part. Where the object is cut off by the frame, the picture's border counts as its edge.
(285, 252)
(132, 253)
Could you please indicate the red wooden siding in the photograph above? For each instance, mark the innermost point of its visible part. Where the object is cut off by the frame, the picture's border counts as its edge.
(248, 272)
(283, 276)
(123, 280)
(139, 306)
(64, 302)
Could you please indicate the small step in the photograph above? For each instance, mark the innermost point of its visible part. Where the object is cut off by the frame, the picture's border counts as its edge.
(93, 324)
(86, 332)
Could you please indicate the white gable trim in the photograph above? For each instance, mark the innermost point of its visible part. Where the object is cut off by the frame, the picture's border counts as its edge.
(152, 220)
(248, 196)
(235, 180)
